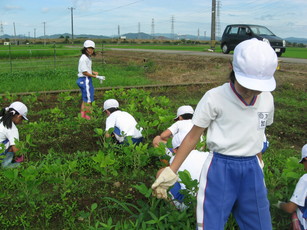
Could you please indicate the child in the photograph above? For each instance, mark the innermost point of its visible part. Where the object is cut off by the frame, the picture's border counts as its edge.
(85, 75)
(193, 164)
(235, 116)
(178, 130)
(298, 201)
(9, 118)
(123, 123)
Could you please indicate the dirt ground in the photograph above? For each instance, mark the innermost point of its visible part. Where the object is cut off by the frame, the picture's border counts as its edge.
(180, 68)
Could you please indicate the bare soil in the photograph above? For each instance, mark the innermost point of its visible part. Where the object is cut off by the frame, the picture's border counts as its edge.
(180, 68)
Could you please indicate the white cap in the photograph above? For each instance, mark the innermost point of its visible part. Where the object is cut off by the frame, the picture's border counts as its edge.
(254, 64)
(304, 153)
(183, 110)
(20, 107)
(110, 103)
(89, 43)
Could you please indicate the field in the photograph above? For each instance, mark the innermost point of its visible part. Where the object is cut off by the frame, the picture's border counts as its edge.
(75, 179)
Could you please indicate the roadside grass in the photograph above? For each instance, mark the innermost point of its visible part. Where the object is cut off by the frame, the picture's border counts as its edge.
(292, 52)
(65, 78)
(29, 51)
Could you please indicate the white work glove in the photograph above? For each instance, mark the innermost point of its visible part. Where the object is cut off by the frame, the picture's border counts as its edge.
(101, 78)
(278, 204)
(166, 179)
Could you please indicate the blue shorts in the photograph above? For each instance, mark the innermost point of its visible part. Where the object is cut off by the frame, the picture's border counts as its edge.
(87, 89)
(118, 133)
(232, 185)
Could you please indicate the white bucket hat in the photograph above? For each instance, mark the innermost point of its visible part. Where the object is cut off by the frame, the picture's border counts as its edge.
(89, 43)
(183, 110)
(254, 64)
(20, 107)
(304, 153)
(110, 103)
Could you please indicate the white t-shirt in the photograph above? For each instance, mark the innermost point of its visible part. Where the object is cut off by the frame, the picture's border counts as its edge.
(193, 163)
(85, 65)
(179, 130)
(234, 129)
(125, 123)
(299, 197)
(8, 134)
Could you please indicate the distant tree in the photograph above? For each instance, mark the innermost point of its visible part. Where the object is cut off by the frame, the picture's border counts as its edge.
(61, 36)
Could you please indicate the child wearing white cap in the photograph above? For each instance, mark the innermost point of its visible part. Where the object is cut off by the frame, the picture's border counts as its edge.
(298, 202)
(234, 116)
(178, 130)
(123, 124)
(9, 118)
(85, 75)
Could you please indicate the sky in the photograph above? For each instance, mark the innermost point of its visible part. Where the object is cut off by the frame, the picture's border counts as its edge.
(285, 18)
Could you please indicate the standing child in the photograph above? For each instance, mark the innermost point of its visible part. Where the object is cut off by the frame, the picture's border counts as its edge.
(85, 75)
(9, 118)
(123, 124)
(298, 202)
(235, 116)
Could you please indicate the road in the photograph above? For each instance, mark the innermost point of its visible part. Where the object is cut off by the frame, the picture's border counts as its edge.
(213, 54)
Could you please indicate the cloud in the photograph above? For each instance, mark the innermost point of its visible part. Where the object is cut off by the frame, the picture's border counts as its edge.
(45, 10)
(11, 7)
(265, 17)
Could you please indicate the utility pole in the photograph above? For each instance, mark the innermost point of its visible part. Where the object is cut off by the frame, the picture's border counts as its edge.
(172, 30)
(34, 33)
(1, 30)
(139, 30)
(213, 24)
(72, 24)
(15, 33)
(218, 24)
(118, 30)
(153, 28)
(44, 33)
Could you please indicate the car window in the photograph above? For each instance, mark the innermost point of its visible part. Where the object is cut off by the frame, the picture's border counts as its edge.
(259, 30)
(233, 30)
(242, 30)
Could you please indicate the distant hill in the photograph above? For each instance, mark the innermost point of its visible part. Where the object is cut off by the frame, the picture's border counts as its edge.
(296, 40)
(142, 36)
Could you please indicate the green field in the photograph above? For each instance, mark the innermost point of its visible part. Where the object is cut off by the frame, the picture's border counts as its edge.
(73, 178)
(64, 50)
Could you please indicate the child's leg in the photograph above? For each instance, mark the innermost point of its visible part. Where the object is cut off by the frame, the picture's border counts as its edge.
(7, 161)
(252, 210)
(217, 192)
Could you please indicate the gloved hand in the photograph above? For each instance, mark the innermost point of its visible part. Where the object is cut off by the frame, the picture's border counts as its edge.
(101, 78)
(160, 193)
(278, 204)
(166, 179)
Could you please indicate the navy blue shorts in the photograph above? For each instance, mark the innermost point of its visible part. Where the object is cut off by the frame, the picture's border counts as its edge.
(87, 89)
(232, 184)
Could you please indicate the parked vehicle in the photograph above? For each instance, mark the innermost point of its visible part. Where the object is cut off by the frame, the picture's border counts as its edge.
(236, 33)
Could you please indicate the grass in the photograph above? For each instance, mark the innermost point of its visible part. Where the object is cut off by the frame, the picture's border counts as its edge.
(292, 52)
(47, 78)
(68, 179)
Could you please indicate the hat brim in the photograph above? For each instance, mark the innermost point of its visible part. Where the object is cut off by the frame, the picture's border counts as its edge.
(256, 84)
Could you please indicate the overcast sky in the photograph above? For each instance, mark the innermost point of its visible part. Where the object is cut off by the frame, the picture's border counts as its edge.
(286, 18)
